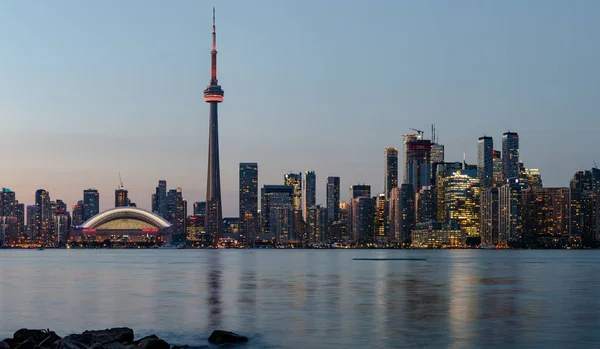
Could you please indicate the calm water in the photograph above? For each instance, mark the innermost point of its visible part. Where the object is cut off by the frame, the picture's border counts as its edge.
(311, 298)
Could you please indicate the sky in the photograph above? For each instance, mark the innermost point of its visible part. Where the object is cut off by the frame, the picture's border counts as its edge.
(91, 89)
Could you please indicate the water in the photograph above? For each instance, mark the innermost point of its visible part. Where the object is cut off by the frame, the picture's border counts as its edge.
(311, 298)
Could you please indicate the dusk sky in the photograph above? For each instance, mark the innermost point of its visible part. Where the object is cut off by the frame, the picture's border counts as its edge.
(90, 89)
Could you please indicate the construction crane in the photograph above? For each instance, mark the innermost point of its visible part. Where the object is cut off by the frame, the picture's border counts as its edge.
(120, 181)
(595, 166)
(418, 131)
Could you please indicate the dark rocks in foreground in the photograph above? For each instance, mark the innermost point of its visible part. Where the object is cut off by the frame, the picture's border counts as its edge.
(114, 338)
(222, 337)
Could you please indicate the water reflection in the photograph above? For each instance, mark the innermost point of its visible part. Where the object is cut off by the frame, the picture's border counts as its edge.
(214, 290)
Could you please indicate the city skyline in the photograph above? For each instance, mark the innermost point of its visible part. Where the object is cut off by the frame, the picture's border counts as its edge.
(117, 124)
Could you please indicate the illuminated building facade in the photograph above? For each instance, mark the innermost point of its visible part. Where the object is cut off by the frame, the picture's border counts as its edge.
(310, 191)
(176, 214)
(295, 180)
(497, 166)
(510, 156)
(443, 170)
(199, 208)
(391, 170)
(437, 154)
(546, 214)
(585, 207)
(248, 202)
(316, 224)
(461, 200)
(362, 219)
(42, 216)
(159, 199)
(91, 203)
(533, 178)
(121, 197)
(277, 210)
(333, 199)
(438, 234)
(425, 208)
(380, 227)
(356, 191)
(418, 165)
(407, 212)
(485, 161)
(510, 224)
(490, 211)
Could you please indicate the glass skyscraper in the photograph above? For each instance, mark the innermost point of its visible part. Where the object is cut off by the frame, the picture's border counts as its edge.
(510, 156)
(248, 202)
(485, 161)
(333, 199)
(391, 170)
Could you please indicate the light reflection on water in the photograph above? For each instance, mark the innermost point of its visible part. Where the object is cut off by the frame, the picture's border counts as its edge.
(311, 298)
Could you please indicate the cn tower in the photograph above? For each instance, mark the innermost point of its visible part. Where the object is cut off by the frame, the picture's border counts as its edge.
(213, 95)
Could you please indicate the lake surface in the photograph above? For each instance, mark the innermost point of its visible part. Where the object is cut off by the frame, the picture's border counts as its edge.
(311, 298)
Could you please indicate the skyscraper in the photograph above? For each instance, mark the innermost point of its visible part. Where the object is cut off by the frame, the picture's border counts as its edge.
(278, 220)
(510, 156)
(213, 95)
(333, 199)
(159, 199)
(316, 222)
(407, 212)
(362, 218)
(310, 191)
(391, 170)
(91, 203)
(462, 202)
(200, 208)
(248, 202)
(485, 161)
(489, 216)
(546, 214)
(77, 214)
(42, 215)
(121, 197)
(497, 165)
(510, 222)
(31, 221)
(380, 211)
(176, 213)
(425, 205)
(418, 163)
(295, 180)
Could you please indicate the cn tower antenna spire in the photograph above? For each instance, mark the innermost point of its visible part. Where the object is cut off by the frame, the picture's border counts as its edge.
(213, 53)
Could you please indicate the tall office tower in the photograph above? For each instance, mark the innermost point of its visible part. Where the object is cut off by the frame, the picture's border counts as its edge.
(437, 154)
(316, 224)
(583, 213)
(461, 202)
(407, 139)
(418, 165)
(489, 216)
(31, 222)
(91, 203)
(20, 213)
(78, 214)
(333, 199)
(248, 202)
(442, 171)
(426, 205)
(52, 229)
(62, 227)
(121, 197)
(7, 202)
(510, 156)
(407, 212)
(295, 180)
(497, 165)
(485, 161)
(546, 216)
(380, 228)
(533, 178)
(42, 215)
(310, 191)
(200, 208)
(213, 95)
(391, 170)
(159, 199)
(277, 210)
(362, 219)
(356, 191)
(176, 213)
(8, 216)
(510, 222)
(394, 230)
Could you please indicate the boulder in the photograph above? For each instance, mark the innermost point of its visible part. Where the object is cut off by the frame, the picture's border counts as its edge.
(23, 334)
(152, 336)
(222, 337)
(29, 343)
(97, 346)
(153, 343)
(69, 343)
(49, 340)
(4, 345)
(86, 338)
(131, 346)
(118, 334)
(114, 345)
(8, 341)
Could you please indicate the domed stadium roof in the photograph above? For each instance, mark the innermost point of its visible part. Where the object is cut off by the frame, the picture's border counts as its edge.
(126, 218)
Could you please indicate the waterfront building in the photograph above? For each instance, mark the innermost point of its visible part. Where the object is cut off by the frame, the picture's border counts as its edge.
(406, 140)
(310, 191)
(316, 224)
(395, 220)
(42, 215)
(248, 202)
(333, 199)
(362, 219)
(438, 234)
(91, 203)
(356, 191)
(546, 214)
(62, 227)
(490, 211)
(31, 221)
(195, 234)
(20, 213)
(407, 212)
(380, 226)
(123, 225)
(485, 161)
(461, 201)
(510, 156)
(510, 222)
(585, 207)
(277, 210)
(176, 214)
(391, 170)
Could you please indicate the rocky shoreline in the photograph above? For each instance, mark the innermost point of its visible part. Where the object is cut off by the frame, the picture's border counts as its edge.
(114, 338)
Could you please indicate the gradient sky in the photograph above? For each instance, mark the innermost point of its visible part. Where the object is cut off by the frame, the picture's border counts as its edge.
(88, 89)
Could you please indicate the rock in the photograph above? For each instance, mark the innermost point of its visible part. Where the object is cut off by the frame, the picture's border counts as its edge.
(29, 343)
(51, 338)
(131, 346)
(153, 343)
(190, 347)
(69, 343)
(4, 345)
(118, 334)
(152, 336)
(97, 346)
(23, 334)
(87, 339)
(8, 341)
(222, 337)
(114, 345)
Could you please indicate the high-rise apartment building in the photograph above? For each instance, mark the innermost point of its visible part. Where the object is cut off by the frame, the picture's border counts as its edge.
(78, 214)
(177, 213)
(362, 219)
(425, 206)
(497, 166)
(407, 212)
(510, 156)
(356, 191)
(510, 222)
(248, 202)
(533, 178)
(277, 210)
(546, 215)
(333, 199)
(31, 222)
(316, 224)
(489, 216)
(42, 215)
(391, 170)
(380, 229)
(485, 161)
(295, 180)
(437, 154)
(310, 191)
(91, 203)
(418, 163)
(159, 199)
